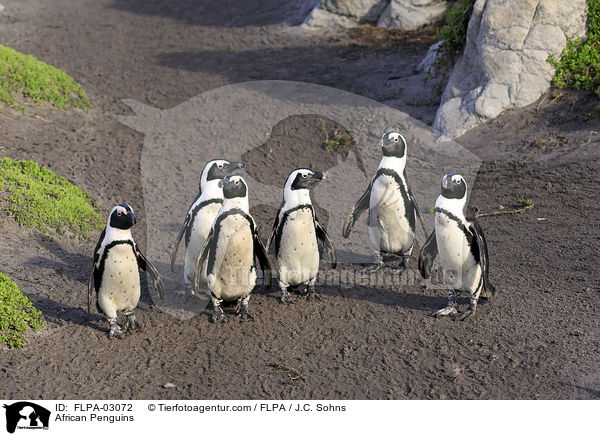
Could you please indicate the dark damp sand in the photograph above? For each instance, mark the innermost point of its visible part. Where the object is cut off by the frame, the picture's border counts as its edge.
(537, 339)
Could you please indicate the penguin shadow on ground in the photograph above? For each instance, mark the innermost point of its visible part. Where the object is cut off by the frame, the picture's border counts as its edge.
(383, 287)
(74, 266)
(60, 314)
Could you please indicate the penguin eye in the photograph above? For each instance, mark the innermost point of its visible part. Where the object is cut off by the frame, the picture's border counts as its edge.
(305, 175)
(119, 213)
(237, 182)
(396, 139)
(220, 165)
(457, 182)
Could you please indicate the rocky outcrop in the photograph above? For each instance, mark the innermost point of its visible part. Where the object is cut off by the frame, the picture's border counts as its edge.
(412, 14)
(504, 63)
(398, 14)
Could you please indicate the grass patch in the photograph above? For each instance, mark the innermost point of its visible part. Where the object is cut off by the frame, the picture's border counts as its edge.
(454, 29)
(37, 81)
(579, 63)
(39, 198)
(17, 314)
(338, 142)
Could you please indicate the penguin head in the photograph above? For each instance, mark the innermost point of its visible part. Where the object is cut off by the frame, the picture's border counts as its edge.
(303, 178)
(393, 144)
(454, 186)
(217, 169)
(234, 186)
(121, 217)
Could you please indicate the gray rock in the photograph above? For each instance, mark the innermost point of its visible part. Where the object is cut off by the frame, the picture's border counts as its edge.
(412, 14)
(325, 19)
(363, 11)
(400, 14)
(504, 61)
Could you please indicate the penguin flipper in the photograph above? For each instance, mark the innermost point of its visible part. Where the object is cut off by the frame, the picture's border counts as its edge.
(90, 284)
(361, 205)
(427, 255)
(263, 259)
(93, 272)
(273, 234)
(145, 265)
(201, 258)
(417, 210)
(327, 244)
(184, 228)
(479, 239)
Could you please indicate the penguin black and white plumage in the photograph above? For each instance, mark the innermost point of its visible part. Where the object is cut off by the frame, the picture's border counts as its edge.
(201, 215)
(115, 274)
(460, 246)
(295, 234)
(230, 251)
(393, 209)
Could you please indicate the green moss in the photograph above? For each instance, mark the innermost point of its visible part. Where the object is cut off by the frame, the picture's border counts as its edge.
(39, 198)
(17, 314)
(37, 81)
(579, 63)
(338, 142)
(454, 30)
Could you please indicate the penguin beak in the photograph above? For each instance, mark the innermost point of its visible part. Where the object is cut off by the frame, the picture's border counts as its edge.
(132, 218)
(319, 175)
(236, 165)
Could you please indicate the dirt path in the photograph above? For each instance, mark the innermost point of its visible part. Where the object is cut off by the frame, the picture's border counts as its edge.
(538, 339)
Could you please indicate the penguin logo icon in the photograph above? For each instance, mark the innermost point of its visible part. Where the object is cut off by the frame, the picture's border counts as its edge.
(26, 415)
(236, 120)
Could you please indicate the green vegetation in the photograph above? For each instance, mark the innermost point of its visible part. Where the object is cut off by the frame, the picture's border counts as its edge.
(338, 142)
(579, 64)
(39, 198)
(37, 81)
(17, 314)
(454, 30)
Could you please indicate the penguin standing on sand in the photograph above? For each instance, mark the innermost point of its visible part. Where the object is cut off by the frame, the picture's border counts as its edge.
(393, 208)
(115, 272)
(295, 234)
(461, 247)
(201, 215)
(230, 249)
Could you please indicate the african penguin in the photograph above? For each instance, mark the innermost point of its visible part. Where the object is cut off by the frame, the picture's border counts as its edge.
(461, 247)
(201, 215)
(230, 249)
(393, 208)
(295, 234)
(115, 272)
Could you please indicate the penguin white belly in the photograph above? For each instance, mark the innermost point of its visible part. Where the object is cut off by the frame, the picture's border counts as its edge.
(120, 287)
(298, 257)
(233, 274)
(200, 230)
(461, 272)
(389, 230)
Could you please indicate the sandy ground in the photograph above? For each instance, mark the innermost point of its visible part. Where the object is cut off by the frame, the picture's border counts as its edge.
(539, 338)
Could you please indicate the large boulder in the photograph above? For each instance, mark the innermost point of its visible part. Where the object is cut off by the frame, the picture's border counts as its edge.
(345, 13)
(398, 14)
(504, 63)
(412, 14)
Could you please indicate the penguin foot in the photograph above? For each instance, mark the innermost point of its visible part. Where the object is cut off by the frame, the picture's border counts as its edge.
(131, 323)
(312, 294)
(115, 332)
(372, 268)
(467, 314)
(286, 298)
(218, 315)
(446, 311)
(244, 315)
(399, 269)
